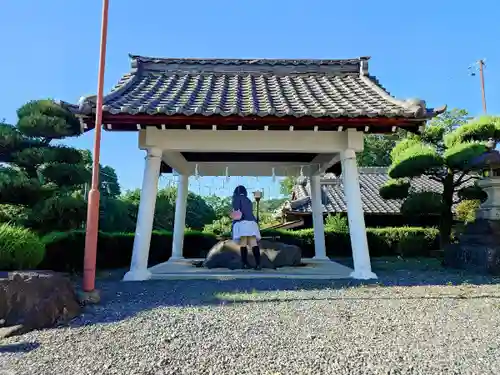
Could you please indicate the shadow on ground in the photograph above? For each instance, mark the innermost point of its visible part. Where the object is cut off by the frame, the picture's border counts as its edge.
(122, 300)
(22, 347)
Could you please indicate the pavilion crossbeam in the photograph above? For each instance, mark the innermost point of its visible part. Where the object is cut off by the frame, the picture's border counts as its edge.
(249, 141)
(250, 153)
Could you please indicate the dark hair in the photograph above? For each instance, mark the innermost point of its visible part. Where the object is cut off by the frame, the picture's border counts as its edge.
(240, 190)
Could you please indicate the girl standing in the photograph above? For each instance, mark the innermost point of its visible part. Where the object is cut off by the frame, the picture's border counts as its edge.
(245, 228)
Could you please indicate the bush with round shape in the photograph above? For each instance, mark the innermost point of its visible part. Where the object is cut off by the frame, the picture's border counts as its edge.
(19, 248)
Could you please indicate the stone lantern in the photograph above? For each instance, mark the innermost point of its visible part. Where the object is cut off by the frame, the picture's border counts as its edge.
(489, 165)
(478, 247)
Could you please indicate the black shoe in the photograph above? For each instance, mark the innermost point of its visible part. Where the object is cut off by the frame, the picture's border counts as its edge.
(257, 267)
(245, 266)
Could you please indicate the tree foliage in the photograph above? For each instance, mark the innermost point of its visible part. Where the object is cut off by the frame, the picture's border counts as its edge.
(45, 120)
(377, 148)
(114, 212)
(466, 210)
(271, 205)
(220, 205)
(198, 212)
(287, 184)
(109, 182)
(117, 215)
(395, 189)
(444, 152)
(38, 179)
(422, 203)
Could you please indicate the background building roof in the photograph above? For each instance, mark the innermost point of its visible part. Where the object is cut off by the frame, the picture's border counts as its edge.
(370, 180)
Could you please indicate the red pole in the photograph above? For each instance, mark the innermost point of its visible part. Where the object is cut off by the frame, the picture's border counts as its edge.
(481, 76)
(89, 262)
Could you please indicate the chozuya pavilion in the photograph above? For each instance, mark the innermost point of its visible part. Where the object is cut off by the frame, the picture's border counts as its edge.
(251, 117)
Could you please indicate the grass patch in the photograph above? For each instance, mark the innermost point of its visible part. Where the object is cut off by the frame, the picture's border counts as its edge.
(247, 296)
(396, 263)
(232, 296)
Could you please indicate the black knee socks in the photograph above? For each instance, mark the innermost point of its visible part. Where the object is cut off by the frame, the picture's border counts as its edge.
(244, 255)
(256, 254)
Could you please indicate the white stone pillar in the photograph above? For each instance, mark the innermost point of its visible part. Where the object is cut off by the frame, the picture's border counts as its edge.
(317, 216)
(180, 217)
(355, 214)
(140, 253)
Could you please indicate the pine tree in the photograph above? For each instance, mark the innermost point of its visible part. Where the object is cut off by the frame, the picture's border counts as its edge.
(444, 152)
(39, 179)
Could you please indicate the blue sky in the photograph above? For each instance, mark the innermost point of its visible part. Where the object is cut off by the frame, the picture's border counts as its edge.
(418, 49)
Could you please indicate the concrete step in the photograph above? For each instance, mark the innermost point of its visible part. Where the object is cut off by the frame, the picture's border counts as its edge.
(315, 270)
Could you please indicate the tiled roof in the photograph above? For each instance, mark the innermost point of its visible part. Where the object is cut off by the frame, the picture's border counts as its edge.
(370, 180)
(258, 87)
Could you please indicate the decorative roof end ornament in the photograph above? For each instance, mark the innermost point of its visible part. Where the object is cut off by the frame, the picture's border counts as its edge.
(363, 66)
(86, 104)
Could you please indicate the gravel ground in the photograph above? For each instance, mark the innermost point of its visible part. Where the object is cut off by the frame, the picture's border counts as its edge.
(409, 322)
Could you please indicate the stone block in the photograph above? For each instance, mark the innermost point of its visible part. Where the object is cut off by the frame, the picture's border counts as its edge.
(35, 300)
(226, 254)
(478, 248)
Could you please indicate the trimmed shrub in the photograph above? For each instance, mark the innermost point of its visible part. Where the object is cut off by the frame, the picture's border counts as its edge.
(381, 241)
(404, 241)
(65, 250)
(466, 210)
(395, 189)
(19, 248)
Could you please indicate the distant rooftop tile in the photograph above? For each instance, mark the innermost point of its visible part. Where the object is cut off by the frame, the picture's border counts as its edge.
(370, 180)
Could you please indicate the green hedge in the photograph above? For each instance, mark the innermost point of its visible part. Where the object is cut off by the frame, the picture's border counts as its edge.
(65, 250)
(403, 241)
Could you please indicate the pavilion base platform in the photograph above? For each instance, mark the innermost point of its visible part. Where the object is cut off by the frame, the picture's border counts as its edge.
(183, 269)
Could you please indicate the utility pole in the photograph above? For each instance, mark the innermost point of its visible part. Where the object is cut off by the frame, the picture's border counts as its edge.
(89, 262)
(479, 66)
(481, 75)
